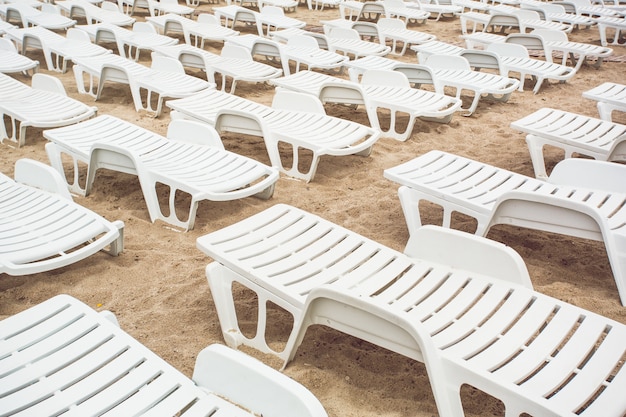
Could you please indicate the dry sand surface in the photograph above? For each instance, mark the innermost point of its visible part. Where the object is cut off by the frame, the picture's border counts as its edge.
(157, 286)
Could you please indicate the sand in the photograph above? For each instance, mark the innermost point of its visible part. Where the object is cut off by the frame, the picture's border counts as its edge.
(157, 286)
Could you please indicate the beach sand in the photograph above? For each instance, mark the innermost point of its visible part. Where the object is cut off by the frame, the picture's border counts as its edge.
(157, 286)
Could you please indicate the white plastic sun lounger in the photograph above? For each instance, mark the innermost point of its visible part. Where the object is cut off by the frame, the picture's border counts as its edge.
(165, 79)
(268, 20)
(298, 120)
(12, 61)
(403, 10)
(195, 32)
(62, 356)
(155, 7)
(617, 24)
(43, 105)
(94, 14)
(378, 89)
(574, 133)
(515, 58)
(129, 43)
(610, 97)
(57, 49)
(42, 229)
(581, 198)
(462, 304)
(348, 42)
(188, 162)
(304, 50)
(49, 17)
(436, 9)
(455, 71)
(234, 63)
(395, 30)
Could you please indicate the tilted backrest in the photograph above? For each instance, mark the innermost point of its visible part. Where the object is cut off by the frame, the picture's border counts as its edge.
(342, 33)
(190, 131)
(527, 40)
(589, 173)
(50, 8)
(144, 27)
(290, 100)
(39, 175)
(7, 45)
(272, 11)
(48, 83)
(78, 35)
(479, 59)
(231, 50)
(303, 41)
(391, 23)
(525, 14)
(395, 4)
(208, 18)
(110, 6)
(553, 8)
(451, 62)
(508, 49)
(550, 35)
(166, 63)
(385, 78)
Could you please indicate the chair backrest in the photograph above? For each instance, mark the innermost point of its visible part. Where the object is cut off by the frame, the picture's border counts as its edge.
(342, 33)
(482, 59)
(272, 11)
(191, 131)
(395, 4)
(50, 8)
(385, 78)
(48, 83)
(451, 62)
(530, 41)
(110, 6)
(417, 74)
(291, 100)
(551, 35)
(526, 14)
(590, 173)
(166, 63)
(391, 23)
(78, 35)
(208, 18)
(508, 49)
(7, 45)
(231, 50)
(39, 175)
(144, 27)
(553, 8)
(303, 41)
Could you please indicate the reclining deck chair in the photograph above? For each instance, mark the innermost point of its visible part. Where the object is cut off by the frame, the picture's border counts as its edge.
(195, 32)
(129, 43)
(378, 89)
(395, 30)
(405, 10)
(165, 79)
(295, 119)
(235, 62)
(63, 355)
(12, 61)
(48, 17)
(304, 50)
(581, 198)
(436, 8)
(348, 42)
(156, 7)
(43, 105)
(43, 229)
(462, 304)
(268, 20)
(193, 161)
(95, 14)
(57, 49)
(574, 133)
(355, 10)
(610, 97)
(617, 24)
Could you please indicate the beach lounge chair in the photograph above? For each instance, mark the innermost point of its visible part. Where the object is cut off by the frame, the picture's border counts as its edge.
(95, 14)
(581, 198)
(348, 42)
(435, 8)
(304, 50)
(378, 89)
(57, 49)
(551, 41)
(320, 4)
(42, 228)
(165, 79)
(574, 133)
(515, 58)
(43, 105)
(268, 20)
(296, 120)
(402, 10)
(12, 61)
(196, 32)
(610, 97)
(395, 30)
(462, 304)
(156, 7)
(616, 24)
(192, 161)
(552, 12)
(130, 43)
(455, 72)
(48, 17)
(234, 63)
(63, 355)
